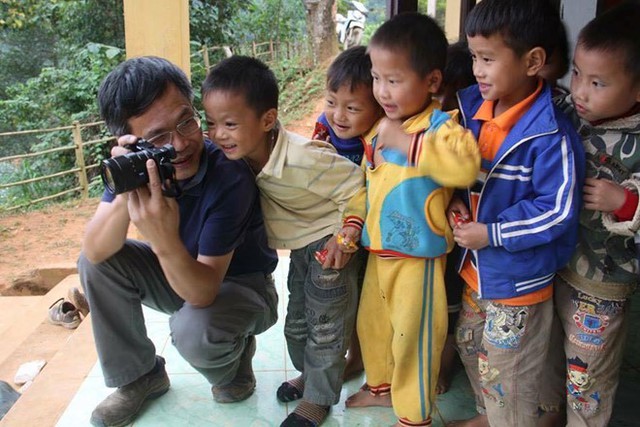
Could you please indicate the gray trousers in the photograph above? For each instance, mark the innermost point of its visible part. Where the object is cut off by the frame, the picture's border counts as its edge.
(585, 356)
(503, 349)
(320, 319)
(211, 339)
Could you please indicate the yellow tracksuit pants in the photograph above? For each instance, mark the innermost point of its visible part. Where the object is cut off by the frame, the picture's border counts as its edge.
(402, 325)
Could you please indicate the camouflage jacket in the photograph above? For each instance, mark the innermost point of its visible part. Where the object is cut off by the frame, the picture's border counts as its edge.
(605, 263)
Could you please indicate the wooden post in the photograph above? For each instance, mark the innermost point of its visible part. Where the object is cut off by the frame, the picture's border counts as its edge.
(205, 57)
(82, 173)
(253, 48)
(160, 28)
(271, 51)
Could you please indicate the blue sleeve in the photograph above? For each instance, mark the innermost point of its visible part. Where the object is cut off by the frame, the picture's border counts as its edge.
(557, 177)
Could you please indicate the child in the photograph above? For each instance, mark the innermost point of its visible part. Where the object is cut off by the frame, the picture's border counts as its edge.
(349, 112)
(522, 210)
(458, 74)
(350, 109)
(592, 293)
(412, 159)
(304, 187)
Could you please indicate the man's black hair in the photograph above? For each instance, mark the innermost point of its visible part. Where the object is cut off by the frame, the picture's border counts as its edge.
(352, 67)
(419, 36)
(244, 76)
(130, 89)
(617, 30)
(523, 24)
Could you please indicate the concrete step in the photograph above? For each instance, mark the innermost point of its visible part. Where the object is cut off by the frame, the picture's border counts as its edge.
(28, 320)
(70, 355)
(12, 307)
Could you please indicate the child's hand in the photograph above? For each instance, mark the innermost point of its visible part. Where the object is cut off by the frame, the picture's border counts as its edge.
(457, 213)
(602, 195)
(332, 256)
(347, 239)
(471, 235)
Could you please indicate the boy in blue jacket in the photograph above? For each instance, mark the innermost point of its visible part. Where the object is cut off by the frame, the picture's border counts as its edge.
(522, 212)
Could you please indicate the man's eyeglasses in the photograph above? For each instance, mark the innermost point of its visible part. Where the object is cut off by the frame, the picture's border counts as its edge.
(184, 128)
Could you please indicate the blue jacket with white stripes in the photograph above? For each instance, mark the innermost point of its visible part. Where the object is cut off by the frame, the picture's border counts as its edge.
(529, 198)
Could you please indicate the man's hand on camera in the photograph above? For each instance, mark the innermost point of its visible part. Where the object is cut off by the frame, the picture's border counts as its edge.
(123, 142)
(156, 216)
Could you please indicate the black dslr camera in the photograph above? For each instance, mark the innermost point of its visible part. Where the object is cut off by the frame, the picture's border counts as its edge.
(129, 171)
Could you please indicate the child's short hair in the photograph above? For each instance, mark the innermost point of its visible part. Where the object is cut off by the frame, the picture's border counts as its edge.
(352, 67)
(246, 76)
(419, 36)
(458, 73)
(616, 30)
(523, 24)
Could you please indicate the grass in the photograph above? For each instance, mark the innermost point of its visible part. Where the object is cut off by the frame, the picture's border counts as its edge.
(301, 86)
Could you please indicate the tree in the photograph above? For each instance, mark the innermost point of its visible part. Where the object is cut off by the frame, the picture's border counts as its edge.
(321, 17)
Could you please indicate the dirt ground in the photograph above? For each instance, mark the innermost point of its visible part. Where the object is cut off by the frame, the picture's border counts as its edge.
(47, 241)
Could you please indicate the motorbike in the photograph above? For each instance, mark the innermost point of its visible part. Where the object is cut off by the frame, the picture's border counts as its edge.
(351, 27)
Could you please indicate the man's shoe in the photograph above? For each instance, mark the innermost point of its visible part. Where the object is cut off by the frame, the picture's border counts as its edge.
(64, 313)
(122, 406)
(244, 383)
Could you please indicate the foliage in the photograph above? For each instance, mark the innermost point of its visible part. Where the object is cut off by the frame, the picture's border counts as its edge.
(299, 85)
(57, 97)
(55, 53)
(15, 13)
(211, 21)
(274, 20)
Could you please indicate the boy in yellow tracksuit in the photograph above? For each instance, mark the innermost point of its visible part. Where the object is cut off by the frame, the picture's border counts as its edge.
(413, 159)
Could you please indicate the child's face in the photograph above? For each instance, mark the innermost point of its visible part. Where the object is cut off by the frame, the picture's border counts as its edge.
(351, 113)
(502, 76)
(400, 91)
(601, 88)
(234, 126)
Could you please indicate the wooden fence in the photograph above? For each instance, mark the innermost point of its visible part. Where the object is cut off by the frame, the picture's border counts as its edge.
(269, 52)
(77, 144)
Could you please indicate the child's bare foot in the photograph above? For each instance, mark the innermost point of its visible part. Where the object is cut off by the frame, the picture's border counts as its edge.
(552, 419)
(477, 421)
(447, 364)
(364, 398)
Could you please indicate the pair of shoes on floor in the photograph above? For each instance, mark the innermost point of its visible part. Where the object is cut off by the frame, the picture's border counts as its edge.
(244, 383)
(67, 313)
(122, 406)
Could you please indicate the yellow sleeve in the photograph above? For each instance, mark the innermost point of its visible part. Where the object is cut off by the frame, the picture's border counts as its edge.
(356, 210)
(450, 155)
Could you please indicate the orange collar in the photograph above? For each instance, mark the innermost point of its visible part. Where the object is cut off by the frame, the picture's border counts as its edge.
(509, 118)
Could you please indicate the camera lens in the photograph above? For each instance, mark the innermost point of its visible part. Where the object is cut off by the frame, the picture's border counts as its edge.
(107, 178)
(125, 173)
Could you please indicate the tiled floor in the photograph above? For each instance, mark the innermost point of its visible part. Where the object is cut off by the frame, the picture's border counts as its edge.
(189, 400)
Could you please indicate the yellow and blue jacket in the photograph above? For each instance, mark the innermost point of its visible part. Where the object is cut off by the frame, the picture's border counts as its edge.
(402, 209)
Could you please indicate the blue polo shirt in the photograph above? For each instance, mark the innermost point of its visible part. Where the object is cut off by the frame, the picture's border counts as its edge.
(220, 212)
